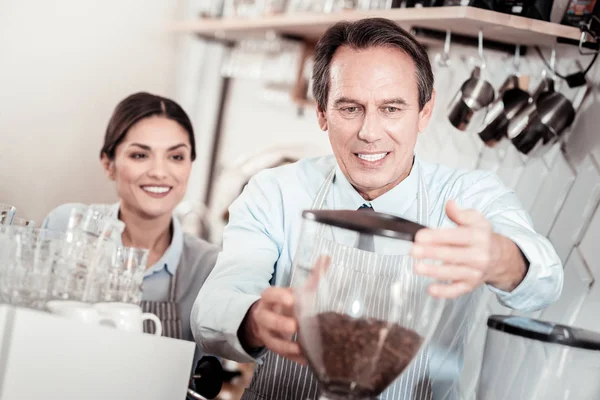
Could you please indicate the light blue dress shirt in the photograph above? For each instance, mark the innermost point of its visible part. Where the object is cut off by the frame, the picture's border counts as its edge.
(265, 223)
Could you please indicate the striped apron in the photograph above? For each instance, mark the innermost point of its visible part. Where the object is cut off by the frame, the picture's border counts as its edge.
(277, 378)
(166, 311)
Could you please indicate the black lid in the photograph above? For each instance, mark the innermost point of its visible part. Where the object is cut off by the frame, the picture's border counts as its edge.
(373, 223)
(545, 331)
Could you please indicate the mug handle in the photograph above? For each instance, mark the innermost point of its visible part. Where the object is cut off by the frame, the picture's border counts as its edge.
(156, 320)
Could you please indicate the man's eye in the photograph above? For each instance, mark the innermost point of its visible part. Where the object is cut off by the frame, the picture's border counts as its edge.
(391, 110)
(351, 110)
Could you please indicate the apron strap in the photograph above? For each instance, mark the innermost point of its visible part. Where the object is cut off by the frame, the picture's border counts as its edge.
(166, 311)
(323, 191)
(422, 198)
(173, 287)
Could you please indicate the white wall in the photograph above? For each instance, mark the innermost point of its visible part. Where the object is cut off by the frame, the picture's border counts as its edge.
(64, 65)
(259, 130)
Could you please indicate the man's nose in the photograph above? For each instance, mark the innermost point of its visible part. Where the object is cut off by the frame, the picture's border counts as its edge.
(371, 129)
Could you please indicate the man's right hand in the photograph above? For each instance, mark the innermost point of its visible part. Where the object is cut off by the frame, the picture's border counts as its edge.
(270, 323)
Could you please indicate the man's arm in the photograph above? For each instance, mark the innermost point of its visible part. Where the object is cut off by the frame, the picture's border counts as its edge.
(493, 242)
(251, 246)
(543, 279)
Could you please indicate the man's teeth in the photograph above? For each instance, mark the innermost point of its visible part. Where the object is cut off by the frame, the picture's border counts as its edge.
(372, 157)
(156, 189)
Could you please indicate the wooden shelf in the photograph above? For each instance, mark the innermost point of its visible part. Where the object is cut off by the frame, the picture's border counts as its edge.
(461, 20)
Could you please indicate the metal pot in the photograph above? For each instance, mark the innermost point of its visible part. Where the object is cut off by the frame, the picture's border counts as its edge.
(474, 95)
(502, 110)
(544, 121)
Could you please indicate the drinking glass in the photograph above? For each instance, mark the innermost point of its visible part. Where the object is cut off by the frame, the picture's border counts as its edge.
(27, 258)
(126, 275)
(7, 213)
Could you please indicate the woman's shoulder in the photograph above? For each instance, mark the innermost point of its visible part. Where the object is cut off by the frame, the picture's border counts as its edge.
(195, 248)
(198, 258)
(58, 218)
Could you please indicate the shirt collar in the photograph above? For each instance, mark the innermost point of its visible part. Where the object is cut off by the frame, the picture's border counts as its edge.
(170, 259)
(396, 201)
(345, 195)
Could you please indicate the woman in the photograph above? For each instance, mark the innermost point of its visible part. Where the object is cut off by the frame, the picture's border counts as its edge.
(148, 151)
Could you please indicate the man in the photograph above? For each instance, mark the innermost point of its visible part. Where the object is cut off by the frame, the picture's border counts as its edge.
(374, 89)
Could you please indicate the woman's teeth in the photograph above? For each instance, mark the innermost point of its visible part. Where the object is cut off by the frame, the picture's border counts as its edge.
(372, 157)
(156, 189)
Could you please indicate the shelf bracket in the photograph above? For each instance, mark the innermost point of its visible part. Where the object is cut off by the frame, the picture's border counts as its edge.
(472, 41)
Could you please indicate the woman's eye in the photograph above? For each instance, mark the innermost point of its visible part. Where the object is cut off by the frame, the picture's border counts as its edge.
(179, 157)
(138, 156)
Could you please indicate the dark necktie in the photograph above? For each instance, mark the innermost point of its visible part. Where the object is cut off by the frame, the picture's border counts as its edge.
(365, 240)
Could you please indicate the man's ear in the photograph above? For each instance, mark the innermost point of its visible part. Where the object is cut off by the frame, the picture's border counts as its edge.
(426, 112)
(322, 118)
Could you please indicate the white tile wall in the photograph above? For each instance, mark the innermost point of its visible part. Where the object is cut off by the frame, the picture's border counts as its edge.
(588, 317)
(551, 155)
(488, 159)
(577, 210)
(578, 281)
(512, 167)
(502, 149)
(552, 194)
(590, 243)
(467, 150)
(533, 177)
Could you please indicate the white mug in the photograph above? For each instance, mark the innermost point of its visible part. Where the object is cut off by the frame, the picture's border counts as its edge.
(128, 317)
(78, 311)
(123, 316)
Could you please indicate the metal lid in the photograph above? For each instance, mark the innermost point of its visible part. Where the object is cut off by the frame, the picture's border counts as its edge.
(545, 331)
(373, 223)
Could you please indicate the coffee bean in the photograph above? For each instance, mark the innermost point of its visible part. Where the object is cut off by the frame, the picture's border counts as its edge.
(356, 357)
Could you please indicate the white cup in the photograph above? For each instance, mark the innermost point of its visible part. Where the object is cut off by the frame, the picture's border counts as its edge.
(128, 317)
(78, 311)
(123, 316)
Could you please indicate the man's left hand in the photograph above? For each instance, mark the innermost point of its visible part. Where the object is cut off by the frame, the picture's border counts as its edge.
(470, 254)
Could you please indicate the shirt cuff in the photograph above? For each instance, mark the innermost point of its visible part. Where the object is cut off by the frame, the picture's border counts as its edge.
(536, 290)
(239, 305)
(519, 296)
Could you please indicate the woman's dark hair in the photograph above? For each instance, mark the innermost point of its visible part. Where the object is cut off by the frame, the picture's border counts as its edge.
(137, 107)
(364, 34)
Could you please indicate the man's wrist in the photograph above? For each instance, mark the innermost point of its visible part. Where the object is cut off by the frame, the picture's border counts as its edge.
(510, 264)
(247, 333)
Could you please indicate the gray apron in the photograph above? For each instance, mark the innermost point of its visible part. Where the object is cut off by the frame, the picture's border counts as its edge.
(433, 374)
(166, 311)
